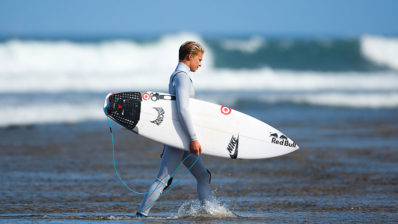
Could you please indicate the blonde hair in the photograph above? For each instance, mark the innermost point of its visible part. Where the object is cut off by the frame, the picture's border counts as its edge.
(190, 47)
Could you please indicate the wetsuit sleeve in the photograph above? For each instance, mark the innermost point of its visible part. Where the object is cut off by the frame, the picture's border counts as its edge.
(182, 85)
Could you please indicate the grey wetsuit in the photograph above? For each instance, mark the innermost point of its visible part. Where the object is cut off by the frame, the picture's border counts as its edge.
(181, 86)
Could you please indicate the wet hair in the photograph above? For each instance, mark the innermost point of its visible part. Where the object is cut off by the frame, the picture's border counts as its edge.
(190, 47)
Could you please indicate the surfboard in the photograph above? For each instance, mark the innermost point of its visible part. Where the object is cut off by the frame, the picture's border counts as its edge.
(222, 131)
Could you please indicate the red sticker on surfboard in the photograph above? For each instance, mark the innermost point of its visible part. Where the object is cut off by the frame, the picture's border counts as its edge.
(225, 110)
(146, 96)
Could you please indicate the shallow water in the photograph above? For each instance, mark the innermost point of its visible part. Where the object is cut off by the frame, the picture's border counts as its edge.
(345, 171)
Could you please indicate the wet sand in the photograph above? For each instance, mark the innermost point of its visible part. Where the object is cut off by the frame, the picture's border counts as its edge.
(344, 172)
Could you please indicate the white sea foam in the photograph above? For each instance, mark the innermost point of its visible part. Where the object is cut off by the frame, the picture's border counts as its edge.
(358, 100)
(49, 112)
(381, 50)
(30, 66)
(269, 79)
(58, 67)
(246, 46)
(212, 79)
(22, 111)
(60, 57)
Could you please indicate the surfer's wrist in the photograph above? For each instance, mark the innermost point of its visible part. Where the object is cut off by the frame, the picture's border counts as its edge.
(193, 138)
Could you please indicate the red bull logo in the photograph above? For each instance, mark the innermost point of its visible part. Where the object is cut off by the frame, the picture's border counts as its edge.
(282, 140)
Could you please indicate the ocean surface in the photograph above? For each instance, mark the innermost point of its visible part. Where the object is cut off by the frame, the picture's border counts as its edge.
(336, 97)
(62, 80)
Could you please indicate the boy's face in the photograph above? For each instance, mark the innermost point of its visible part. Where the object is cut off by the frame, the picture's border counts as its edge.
(195, 61)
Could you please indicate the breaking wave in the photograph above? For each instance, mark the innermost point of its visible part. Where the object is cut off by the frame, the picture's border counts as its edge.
(43, 81)
(381, 50)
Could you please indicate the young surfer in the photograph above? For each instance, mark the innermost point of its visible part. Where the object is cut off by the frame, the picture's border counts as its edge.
(180, 85)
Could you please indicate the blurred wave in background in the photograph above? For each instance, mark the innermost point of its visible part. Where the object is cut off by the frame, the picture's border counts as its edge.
(46, 80)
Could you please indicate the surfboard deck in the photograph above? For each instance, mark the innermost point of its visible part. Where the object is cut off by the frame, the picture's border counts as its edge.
(222, 131)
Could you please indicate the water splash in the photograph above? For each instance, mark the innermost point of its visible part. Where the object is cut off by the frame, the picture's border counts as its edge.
(212, 208)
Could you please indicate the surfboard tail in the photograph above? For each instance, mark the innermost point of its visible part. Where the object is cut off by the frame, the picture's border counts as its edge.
(107, 105)
(124, 108)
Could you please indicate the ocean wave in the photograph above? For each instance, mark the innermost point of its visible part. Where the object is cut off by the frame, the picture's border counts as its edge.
(210, 79)
(74, 77)
(375, 100)
(54, 57)
(49, 112)
(325, 55)
(284, 80)
(381, 50)
(42, 108)
(349, 100)
(367, 54)
(246, 46)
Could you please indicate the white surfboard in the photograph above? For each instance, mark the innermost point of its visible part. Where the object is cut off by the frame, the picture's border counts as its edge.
(222, 131)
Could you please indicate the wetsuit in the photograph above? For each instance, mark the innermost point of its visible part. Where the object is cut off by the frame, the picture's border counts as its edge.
(181, 86)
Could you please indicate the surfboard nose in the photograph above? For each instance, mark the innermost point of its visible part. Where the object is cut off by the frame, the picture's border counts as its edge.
(292, 144)
(107, 105)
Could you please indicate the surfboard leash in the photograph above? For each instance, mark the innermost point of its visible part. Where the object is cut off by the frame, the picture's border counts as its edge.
(162, 183)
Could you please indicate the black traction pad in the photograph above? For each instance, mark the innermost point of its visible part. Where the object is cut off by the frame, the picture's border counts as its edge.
(125, 108)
